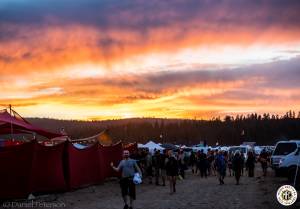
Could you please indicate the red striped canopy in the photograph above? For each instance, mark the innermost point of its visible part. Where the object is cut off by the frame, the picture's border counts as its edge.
(16, 124)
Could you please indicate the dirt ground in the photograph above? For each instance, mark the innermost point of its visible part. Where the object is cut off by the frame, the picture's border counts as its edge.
(192, 193)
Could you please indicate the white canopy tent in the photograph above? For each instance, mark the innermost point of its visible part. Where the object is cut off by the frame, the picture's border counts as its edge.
(152, 146)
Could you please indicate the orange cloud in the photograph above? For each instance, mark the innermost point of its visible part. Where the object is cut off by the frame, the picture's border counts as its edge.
(200, 94)
(53, 48)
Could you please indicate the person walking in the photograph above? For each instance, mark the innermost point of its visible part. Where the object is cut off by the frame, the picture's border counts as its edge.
(193, 161)
(128, 167)
(156, 166)
(237, 166)
(181, 163)
(198, 154)
(214, 168)
(148, 165)
(210, 160)
(163, 173)
(243, 165)
(203, 164)
(263, 158)
(230, 158)
(250, 164)
(172, 171)
(220, 164)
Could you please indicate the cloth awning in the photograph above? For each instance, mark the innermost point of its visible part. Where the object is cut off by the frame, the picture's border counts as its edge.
(16, 124)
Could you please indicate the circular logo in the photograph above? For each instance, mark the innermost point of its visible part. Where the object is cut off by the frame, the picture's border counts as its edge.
(286, 195)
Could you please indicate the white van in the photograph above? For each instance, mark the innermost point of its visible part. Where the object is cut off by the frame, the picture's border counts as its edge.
(282, 149)
(288, 164)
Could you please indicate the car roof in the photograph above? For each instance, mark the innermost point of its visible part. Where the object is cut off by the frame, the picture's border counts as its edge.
(288, 142)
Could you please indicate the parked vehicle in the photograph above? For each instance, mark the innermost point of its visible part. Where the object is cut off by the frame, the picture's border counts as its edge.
(289, 164)
(282, 149)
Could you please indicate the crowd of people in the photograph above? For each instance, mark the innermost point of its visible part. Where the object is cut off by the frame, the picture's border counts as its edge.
(213, 163)
(159, 167)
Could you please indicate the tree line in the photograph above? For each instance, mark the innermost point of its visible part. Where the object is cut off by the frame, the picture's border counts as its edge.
(264, 129)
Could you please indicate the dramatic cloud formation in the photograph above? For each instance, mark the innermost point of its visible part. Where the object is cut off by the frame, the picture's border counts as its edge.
(112, 59)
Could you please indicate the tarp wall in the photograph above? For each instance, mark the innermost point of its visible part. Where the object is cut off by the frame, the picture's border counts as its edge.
(15, 170)
(48, 169)
(83, 166)
(31, 167)
(108, 154)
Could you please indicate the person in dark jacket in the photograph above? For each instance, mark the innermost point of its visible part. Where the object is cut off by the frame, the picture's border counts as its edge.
(237, 166)
(250, 164)
(193, 162)
(203, 164)
(163, 173)
(156, 166)
(243, 165)
(172, 171)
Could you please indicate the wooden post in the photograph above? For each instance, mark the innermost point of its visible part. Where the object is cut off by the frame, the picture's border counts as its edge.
(11, 125)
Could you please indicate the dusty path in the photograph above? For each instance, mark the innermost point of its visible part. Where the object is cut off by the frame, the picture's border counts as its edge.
(192, 193)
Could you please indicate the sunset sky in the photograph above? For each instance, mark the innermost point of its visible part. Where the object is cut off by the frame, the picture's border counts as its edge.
(109, 59)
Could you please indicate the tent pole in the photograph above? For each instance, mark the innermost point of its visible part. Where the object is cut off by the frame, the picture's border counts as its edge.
(11, 126)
